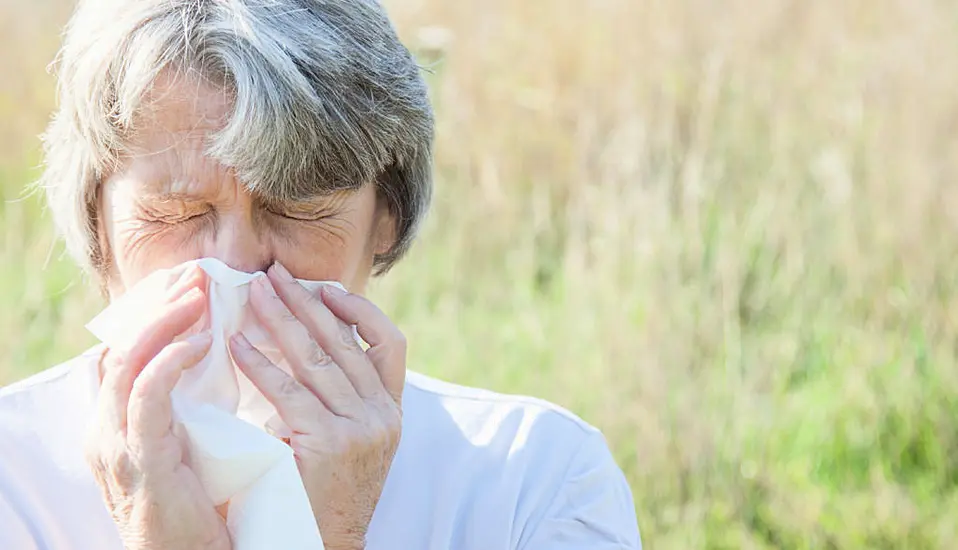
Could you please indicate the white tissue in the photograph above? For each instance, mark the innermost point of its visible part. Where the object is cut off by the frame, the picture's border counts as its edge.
(222, 417)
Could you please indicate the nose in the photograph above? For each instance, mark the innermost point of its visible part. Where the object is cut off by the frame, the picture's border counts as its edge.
(238, 244)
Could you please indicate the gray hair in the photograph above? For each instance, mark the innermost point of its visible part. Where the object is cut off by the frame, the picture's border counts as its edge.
(324, 98)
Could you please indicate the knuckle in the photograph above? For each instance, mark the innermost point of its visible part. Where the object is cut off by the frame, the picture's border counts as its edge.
(313, 298)
(347, 337)
(395, 417)
(285, 315)
(399, 342)
(384, 424)
(114, 472)
(122, 468)
(394, 349)
(317, 357)
(113, 362)
(289, 386)
(385, 433)
(111, 463)
(393, 422)
(142, 388)
(111, 358)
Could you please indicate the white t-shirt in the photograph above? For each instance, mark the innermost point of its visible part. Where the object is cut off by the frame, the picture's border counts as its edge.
(475, 470)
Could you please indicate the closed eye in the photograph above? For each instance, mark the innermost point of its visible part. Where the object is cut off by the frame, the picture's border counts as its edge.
(172, 210)
(300, 216)
(304, 213)
(176, 219)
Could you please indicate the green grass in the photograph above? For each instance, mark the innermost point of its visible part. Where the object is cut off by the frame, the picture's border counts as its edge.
(723, 234)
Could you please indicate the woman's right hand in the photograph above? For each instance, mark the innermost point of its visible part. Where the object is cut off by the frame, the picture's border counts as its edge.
(155, 499)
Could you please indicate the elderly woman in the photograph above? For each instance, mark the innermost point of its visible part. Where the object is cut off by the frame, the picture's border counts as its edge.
(291, 137)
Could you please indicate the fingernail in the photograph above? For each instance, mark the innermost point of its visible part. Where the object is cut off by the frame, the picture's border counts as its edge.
(193, 293)
(334, 290)
(201, 339)
(282, 273)
(177, 285)
(241, 342)
(185, 274)
(265, 285)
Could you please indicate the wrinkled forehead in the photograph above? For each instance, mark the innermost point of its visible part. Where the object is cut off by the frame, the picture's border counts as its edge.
(166, 148)
(170, 147)
(181, 104)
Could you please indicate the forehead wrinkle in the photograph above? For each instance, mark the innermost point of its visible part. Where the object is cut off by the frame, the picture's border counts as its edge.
(185, 101)
(181, 168)
(180, 115)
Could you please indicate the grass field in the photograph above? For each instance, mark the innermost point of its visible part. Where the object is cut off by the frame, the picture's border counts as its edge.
(724, 232)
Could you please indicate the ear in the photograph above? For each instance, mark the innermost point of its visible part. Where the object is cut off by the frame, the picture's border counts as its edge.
(385, 230)
(106, 271)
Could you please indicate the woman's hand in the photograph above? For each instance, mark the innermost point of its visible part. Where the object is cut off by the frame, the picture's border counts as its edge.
(155, 500)
(343, 404)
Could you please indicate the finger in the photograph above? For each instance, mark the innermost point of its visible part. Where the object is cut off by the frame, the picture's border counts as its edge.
(191, 277)
(121, 371)
(150, 411)
(387, 344)
(310, 363)
(296, 405)
(172, 320)
(333, 335)
(114, 394)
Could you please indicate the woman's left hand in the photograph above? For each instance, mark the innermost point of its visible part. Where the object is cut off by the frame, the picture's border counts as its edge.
(343, 404)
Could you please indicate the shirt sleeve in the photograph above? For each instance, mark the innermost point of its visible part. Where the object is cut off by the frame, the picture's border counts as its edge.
(593, 507)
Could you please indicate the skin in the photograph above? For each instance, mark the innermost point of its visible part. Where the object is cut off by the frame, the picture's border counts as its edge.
(168, 203)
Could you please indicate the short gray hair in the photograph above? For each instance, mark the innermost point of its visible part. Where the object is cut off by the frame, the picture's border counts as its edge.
(324, 97)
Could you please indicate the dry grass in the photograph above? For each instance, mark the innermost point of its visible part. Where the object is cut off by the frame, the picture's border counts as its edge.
(723, 232)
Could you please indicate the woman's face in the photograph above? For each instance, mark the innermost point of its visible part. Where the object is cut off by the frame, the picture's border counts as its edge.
(168, 203)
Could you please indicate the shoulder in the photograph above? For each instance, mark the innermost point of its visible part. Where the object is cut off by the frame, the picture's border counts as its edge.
(47, 414)
(468, 403)
(551, 469)
(43, 400)
(469, 399)
(512, 424)
(49, 377)
(44, 418)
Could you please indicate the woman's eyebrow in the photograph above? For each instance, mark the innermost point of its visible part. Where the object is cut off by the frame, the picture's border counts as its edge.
(326, 201)
(176, 185)
(173, 171)
(160, 196)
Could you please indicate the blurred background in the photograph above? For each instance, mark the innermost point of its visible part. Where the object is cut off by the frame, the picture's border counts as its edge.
(723, 232)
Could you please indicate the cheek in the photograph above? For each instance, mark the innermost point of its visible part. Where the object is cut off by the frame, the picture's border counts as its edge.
(140, 247)
(319, 251)
(333, 248)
